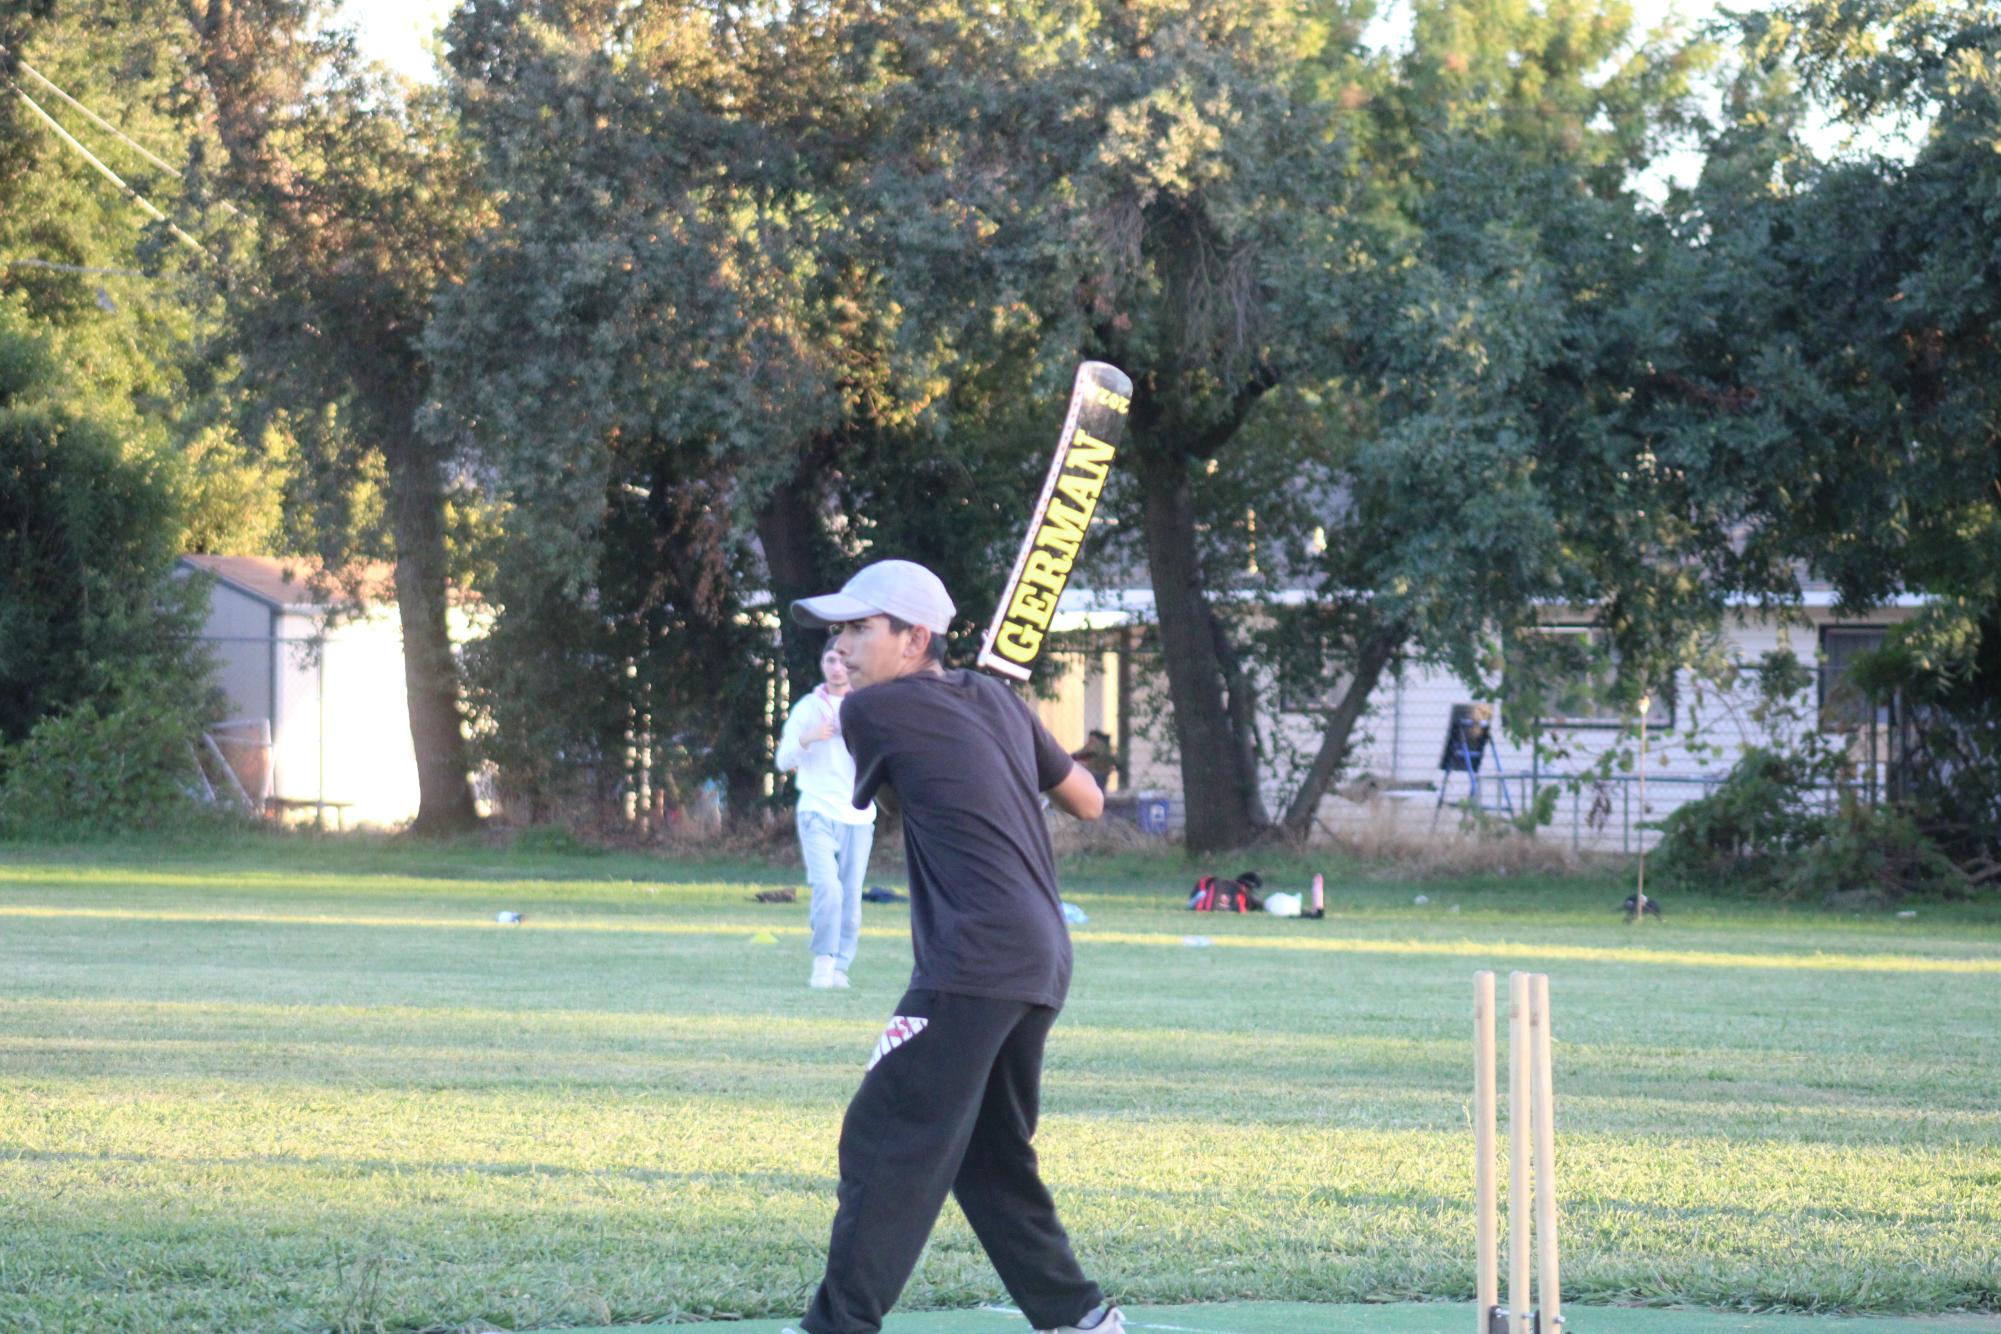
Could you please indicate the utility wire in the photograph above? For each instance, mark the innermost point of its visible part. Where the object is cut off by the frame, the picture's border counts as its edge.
(17, 261)
(104, 124)
(110, 175)
(95, 119)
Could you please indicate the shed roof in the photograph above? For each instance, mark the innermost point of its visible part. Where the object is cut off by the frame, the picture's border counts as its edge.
(287, 584)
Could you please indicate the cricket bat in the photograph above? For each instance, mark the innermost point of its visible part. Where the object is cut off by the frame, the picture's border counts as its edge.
(1092, 430)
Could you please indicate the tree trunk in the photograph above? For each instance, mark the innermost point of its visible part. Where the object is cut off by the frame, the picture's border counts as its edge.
(245, 55)
(1216, 788)
(788, 528)
(1242, 694)
(430, 672)
(1333, 753)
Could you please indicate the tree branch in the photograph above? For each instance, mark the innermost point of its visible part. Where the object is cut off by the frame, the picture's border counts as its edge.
(1376, 655)
(1243, 714)
(1209, 442)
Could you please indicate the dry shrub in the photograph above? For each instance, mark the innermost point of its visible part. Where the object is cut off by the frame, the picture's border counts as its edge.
(1071, 836)
(1452, 849)
(1067, 835)
(765, 836)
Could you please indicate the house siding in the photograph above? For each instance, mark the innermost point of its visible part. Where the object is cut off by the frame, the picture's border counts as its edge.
(1391, 786)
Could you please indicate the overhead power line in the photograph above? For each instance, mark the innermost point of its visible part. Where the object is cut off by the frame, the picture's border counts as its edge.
(95, 119)
(19, 260)
(151, 157)
(145, 204)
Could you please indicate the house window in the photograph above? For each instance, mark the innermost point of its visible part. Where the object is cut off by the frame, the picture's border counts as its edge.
(1583, 695)
(1317, 697)
(1843, 705)
(1313, 678)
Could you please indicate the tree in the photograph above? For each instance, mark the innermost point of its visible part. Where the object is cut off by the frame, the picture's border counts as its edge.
(1878, 358)
(358, 201)
(1370, 280)
(90, 610)
(1210, 159)
(1861, 295)
(86, 262)
(622, 348)
(759, 274)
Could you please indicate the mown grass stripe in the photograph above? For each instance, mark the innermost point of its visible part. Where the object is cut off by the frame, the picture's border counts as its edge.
(1878, 962)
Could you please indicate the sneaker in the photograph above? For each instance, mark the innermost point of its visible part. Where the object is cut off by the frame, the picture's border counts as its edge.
(1106, 1319)
(840, 978)
(823, 972)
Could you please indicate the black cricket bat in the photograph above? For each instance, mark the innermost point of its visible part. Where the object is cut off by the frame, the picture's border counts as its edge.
(1091, 433)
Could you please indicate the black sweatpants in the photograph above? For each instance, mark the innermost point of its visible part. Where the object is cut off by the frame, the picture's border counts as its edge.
(949, 1103)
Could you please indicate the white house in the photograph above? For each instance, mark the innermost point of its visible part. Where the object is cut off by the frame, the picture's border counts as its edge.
(317, 715)
(1393, 782)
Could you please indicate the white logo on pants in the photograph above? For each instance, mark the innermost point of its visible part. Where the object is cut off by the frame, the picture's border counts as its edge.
(899, 1030)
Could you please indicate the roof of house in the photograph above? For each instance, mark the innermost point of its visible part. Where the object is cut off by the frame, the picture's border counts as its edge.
(288, 583)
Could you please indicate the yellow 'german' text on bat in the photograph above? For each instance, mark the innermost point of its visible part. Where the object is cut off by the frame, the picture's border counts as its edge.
(1092, 430)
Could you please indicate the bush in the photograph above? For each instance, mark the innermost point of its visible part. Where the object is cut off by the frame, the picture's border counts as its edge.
(1749, 832)
(104, 680)
(92, 770)
(1762, 832)
(1872, 857)
(87, 594)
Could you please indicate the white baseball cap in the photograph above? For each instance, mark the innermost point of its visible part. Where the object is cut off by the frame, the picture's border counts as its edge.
(899, 588)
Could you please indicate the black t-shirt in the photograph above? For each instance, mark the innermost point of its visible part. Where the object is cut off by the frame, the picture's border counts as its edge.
(967, 759)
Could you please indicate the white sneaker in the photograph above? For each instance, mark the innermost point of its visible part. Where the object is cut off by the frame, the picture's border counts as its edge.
(1105, 1319)
(840, 978)
(823, 971)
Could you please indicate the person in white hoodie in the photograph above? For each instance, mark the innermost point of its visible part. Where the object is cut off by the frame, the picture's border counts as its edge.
(834, 837)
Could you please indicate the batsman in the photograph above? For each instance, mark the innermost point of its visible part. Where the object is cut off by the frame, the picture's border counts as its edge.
(951, 1094)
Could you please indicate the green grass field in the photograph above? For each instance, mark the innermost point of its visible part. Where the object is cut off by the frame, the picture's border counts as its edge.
(310, 1083)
